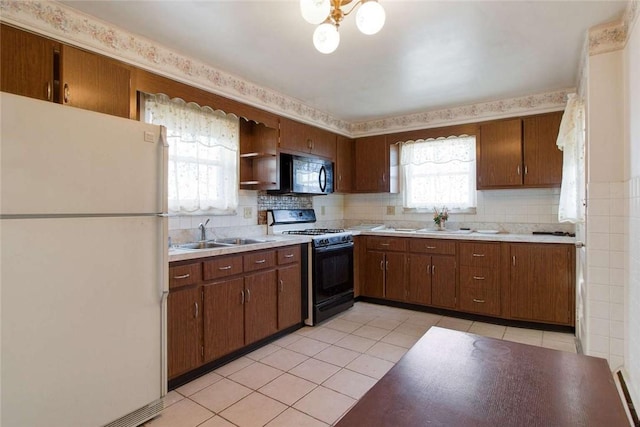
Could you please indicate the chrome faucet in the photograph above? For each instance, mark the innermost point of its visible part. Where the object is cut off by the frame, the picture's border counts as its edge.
(203, 230)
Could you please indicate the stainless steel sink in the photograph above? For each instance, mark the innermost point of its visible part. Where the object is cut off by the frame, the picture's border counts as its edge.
(238, 241)
(204, 245)
(219, 243)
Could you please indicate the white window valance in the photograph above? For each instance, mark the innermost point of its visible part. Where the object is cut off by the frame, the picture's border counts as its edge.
(439, 172)
(203, 155)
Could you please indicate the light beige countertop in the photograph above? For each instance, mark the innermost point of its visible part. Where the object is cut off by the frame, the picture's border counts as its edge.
(466, 235)
(269, 242)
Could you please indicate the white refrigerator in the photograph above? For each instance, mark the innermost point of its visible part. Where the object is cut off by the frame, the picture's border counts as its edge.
(83, 267)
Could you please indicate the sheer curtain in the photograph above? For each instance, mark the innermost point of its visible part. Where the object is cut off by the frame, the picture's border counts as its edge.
(203, 155)
(571, 142)
(439, 172)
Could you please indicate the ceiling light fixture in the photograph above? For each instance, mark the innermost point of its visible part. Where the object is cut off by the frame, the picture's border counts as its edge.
(328, 14)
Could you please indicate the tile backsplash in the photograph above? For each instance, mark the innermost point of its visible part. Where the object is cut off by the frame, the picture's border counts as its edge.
(514, 211)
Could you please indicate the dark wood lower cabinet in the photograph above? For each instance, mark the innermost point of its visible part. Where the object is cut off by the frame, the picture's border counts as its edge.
(373, 282)
(260, 307)
(443, 281)
(289, 296)
(184, 330)
(419, 289)
(219, 305)
(223, 318)
(541, 282)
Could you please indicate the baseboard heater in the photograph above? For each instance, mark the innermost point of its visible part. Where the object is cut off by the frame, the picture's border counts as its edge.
(627, 398)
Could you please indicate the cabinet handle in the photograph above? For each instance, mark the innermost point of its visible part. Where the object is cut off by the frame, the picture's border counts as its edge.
(248, 295)
(226, 267)
(518, 169)
(526, 170)
(288, 256)
(195, 316)
(281, 286)
(386, 265)
(184, 276)
(242, 297)
(428, 268)
(478, 277)
(385, 244)
(479, 301)
(381, 265)
(433, 269)
(478, 255)
(431, 247)
(260, 261)
(48, 91)
(66, 95)
(513, 259)
(384, 177)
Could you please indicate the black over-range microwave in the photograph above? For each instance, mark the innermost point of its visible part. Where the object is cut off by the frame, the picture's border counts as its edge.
(304, 175)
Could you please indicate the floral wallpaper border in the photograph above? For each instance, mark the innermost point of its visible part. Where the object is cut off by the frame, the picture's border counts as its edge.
(68, 25)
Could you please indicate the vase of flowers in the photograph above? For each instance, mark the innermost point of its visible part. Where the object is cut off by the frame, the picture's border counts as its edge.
(440, 217)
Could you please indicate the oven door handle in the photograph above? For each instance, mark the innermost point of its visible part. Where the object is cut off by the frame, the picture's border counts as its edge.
(332, 248)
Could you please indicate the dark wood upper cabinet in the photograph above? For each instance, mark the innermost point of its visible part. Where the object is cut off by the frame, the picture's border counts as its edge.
(519, 153)
(296, 137)
(499, 160)
(376, 165)
(94, 82)
(542, 157)
(27, 63)
(343, 174)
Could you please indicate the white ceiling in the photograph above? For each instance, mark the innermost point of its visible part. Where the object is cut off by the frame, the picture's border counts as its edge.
(429, 55)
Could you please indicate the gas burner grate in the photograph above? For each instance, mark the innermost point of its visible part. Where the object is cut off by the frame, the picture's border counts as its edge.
(315, 231)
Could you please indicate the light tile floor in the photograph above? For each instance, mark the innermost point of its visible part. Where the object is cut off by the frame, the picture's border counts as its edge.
(314, 375)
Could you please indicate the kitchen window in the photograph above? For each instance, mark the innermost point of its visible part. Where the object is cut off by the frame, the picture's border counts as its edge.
(203, 155)
(439, 172)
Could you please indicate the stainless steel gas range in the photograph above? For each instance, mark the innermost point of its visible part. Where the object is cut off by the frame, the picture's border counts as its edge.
(331, 264)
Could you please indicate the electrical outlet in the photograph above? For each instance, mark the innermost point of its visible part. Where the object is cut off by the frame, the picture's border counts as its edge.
(322, 210)
(248, 212)
(391, 210)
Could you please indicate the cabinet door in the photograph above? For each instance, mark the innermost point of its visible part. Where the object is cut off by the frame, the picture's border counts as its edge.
(289, 296)
(94, 82)
(323, 143)
(294, 136)
(343, 175)
(26, 63)
(373, 275)
(542, 157)
(261, 306)
(443, 281)
(541, 287)
(223, 318)
(184, 311)
(500, 154)
(395, 275)
(372, 164)
(419, 286)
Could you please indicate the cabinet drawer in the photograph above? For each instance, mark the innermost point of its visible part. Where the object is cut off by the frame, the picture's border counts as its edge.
(222, 267)
(386, 243)
(484, 277)
(184, 275)
(259, 260)
(433, 246)
(478, 300)
(288, 255)
(480, 254)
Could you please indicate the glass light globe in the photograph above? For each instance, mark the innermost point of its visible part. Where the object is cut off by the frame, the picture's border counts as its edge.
(315, 11)
(370, 17)
(326, 38)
